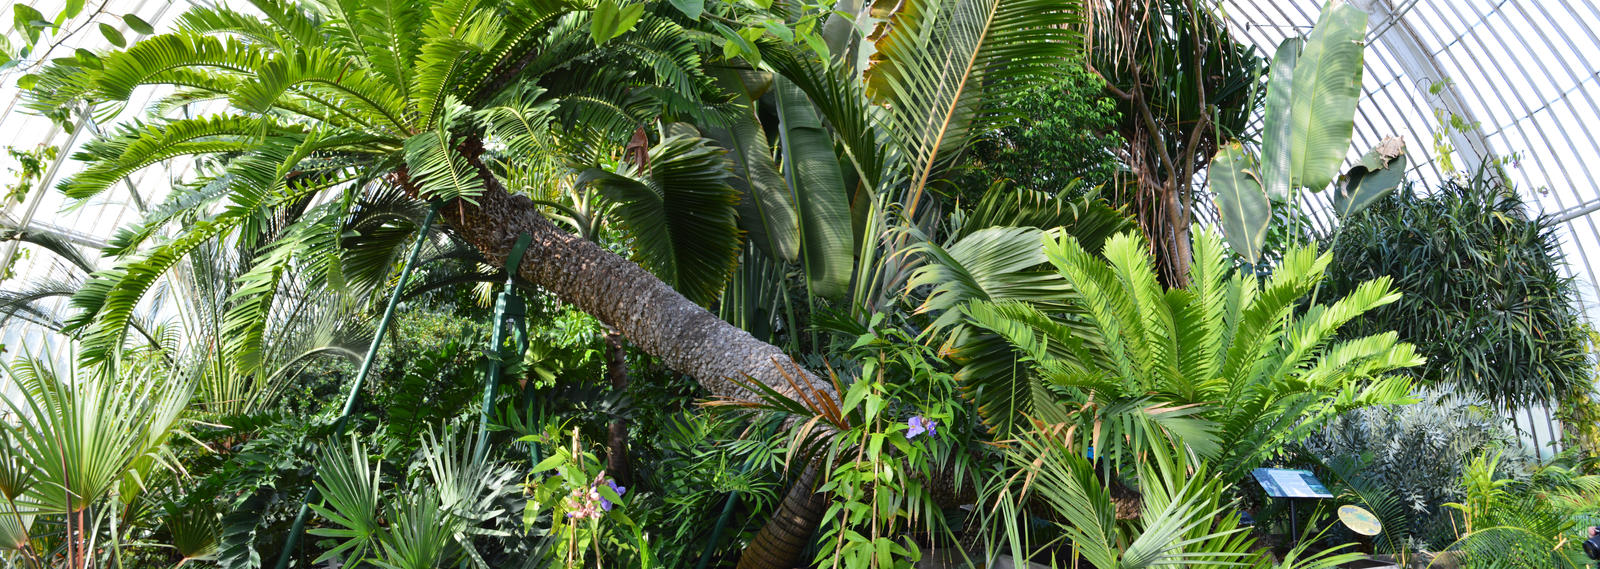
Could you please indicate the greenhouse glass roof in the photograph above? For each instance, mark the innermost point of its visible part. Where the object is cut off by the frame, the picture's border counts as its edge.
(1524, 72)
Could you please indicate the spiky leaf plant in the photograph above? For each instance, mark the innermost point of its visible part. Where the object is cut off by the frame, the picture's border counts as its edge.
(1231, 366)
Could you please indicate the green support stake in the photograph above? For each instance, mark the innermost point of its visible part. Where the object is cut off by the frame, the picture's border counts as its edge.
(361, 378)
(727, 513)
(506, 307)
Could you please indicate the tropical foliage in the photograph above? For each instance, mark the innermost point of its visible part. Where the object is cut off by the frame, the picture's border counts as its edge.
(549, 283)
(1227, 359)
(1484, 300)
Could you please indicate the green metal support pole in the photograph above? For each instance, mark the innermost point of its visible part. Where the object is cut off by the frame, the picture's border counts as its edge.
(727, 513)
(497, 342)
(361, 378)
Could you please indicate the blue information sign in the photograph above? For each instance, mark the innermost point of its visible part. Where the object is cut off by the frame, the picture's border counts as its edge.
(1286, 483)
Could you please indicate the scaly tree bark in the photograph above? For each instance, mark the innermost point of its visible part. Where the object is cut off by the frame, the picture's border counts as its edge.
(687, 337)
(617, 463)
(780, 543)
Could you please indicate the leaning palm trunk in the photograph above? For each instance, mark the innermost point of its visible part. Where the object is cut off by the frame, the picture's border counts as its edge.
(783, 539)
(644, 309)
(617, 463)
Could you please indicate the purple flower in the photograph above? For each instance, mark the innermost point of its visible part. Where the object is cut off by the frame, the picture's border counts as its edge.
(919, 425)
(620, 490)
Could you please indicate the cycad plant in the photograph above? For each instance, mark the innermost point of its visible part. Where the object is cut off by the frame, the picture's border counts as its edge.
(1232, 366)
(1186, 519)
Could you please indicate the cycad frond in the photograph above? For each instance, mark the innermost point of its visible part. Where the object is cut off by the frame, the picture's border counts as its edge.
(455, 32)
(326, 77)
(440, 172)
(1211, 362)
(137, 145)
(285, 27)
(244, 325)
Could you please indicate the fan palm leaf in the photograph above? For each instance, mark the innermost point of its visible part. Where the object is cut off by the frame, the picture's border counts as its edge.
(679, 211)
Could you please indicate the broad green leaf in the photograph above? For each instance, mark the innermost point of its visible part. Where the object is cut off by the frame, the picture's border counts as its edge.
(138, 24)
(87, 58)
(548, 463)
(690, 8)
(1363, 186)
(113, 35)
(71, 10)
(812, 170)
(26, 82)
(767, 211)
(737, 45)
(1244, 207)
(1327, 84)
(780, 30)
(1276, 158)
(24, 16)
(612, 19)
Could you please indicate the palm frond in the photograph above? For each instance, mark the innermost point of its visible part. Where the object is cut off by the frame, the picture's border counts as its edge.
(679, 213)
(944, 67)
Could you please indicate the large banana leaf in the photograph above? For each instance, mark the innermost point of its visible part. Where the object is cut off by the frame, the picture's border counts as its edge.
(939, 61)
(1379, 173)
(767, 209)
(1241, 203)
(1327, 84)
(822, 200)
(1276, 158)
(679, 213)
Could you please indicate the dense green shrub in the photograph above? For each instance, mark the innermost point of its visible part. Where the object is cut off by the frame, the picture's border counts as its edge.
(1484, 300)
(1065, 130)
(1415, 453)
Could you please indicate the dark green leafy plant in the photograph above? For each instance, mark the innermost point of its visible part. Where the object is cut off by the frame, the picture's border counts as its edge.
(1064, 131)
(1484, 299)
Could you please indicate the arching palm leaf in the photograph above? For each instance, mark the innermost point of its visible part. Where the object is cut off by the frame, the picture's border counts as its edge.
(943, 66)
(679, 213)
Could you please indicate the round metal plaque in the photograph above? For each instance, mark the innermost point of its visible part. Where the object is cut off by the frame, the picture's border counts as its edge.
(1360, 520)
